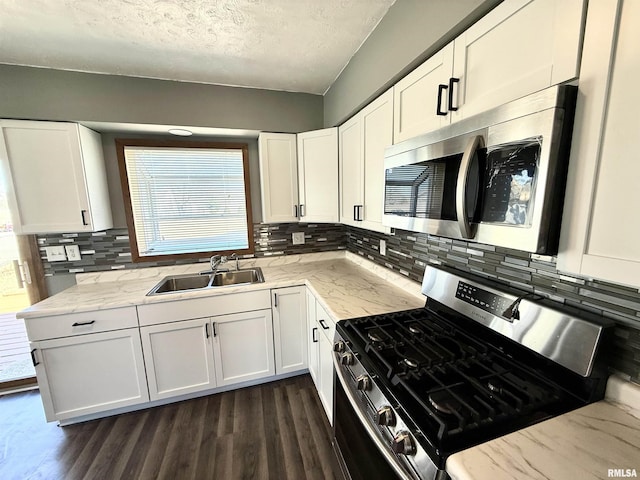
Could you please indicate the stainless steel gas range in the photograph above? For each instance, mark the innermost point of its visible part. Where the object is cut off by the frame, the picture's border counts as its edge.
(477, 362)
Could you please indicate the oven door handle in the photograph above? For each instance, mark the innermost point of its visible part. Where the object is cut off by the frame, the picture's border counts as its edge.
(467, 229)
(389, 457)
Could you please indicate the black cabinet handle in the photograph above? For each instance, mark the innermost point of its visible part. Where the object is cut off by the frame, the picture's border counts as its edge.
(215, 334)
(452, 80)
(314, 330)
(441, 89)
(33, 358)
(360, 207)
(295, 211)
(80, 324)
(84, 220)
(206, 329)
(323, 324)
(275, 300)
(355, 213)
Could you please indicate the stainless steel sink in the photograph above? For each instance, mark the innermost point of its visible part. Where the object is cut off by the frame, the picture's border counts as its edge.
(198, 281)
(238, 277)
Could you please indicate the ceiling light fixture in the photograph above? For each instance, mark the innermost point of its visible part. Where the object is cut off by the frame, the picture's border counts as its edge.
(181, 132)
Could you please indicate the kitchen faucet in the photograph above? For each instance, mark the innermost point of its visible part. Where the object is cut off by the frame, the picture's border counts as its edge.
(215, 261)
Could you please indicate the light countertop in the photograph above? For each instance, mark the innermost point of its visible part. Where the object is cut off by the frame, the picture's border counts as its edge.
(347, 286)
(583, 444)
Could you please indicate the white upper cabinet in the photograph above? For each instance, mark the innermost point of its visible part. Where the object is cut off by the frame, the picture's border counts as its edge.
(518, 48)
(55, 177)
(362, 141)
(318, 176)
(299, 184)
(420, 104)
(278, 177)
(601, 224)
(351, 169)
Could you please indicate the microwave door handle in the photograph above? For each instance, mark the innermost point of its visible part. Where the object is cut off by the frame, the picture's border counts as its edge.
(467, 230)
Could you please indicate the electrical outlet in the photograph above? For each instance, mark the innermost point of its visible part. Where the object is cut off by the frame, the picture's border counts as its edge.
(73, 253)
(383, 247)
(56, 254)
(297, 238)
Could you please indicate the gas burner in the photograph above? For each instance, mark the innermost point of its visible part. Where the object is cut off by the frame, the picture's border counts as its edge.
(415, 329)
(375, 335)
(444, 402)
(410, 362)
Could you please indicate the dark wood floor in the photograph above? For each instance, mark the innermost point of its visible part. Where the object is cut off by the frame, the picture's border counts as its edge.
(275, 431)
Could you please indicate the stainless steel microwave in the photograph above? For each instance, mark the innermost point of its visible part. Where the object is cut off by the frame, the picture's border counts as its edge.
(496, 178)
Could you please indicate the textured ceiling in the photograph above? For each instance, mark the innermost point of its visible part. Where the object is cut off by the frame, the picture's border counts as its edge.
(293, 45)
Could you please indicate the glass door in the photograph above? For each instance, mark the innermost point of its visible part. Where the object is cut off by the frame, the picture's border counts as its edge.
(16, 368)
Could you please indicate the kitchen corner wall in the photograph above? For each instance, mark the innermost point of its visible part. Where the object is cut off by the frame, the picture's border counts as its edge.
(408, 253)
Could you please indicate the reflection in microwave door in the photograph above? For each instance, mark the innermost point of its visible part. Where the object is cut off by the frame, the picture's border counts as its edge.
(521, 187)
(517, 214)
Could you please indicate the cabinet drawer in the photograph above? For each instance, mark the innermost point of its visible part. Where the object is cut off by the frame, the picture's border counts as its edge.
(327, 325)
(58, 326)
(156, 313)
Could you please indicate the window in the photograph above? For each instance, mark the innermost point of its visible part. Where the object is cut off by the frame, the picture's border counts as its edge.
(185, 199)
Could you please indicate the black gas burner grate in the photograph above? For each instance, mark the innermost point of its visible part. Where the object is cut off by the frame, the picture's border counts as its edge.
(452, 382)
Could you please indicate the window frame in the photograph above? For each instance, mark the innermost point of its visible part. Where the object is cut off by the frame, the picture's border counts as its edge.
(121, 143)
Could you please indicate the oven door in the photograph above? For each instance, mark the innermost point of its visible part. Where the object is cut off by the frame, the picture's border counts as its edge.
(359, 456)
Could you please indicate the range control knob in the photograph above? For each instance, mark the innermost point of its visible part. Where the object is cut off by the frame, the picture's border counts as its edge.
(363, 382)
(403, 444)
(339, 347)
(385, 416)
(346, 359)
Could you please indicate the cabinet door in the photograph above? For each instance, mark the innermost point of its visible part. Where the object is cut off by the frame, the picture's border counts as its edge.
(518, 48)
(326, 375)
(416, 97)
(601, 227)
(318, 175)
(313, 338)
(179, 358)
(278, 177)
(351, 170)
(243, 346)
(377, 128)
(47, 182)
(290, 329)
(91, 373)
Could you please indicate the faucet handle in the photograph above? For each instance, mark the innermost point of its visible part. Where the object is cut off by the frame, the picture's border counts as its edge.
(234, 256)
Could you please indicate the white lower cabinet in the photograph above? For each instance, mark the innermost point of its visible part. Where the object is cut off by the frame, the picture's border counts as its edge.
(321, 328)
(179, 358)
(289, 306)
(86, 374)
(243, 346)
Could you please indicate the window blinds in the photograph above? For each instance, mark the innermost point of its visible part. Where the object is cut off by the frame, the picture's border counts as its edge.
(187, 200)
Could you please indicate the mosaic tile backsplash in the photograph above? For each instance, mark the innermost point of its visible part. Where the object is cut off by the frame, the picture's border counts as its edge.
(407, 253)
(109, 250)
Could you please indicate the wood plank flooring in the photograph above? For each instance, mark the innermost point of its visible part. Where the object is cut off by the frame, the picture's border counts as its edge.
(272, 431)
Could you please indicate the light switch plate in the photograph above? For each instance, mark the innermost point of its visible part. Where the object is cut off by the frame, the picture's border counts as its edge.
(56, 254)
(73, 253)
(297, 238)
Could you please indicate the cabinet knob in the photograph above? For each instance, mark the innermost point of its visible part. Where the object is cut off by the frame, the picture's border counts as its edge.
(403, 444)
(385, 416)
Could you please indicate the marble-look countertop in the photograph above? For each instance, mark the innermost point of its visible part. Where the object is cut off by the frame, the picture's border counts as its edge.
(346, 285)
(583, 444)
